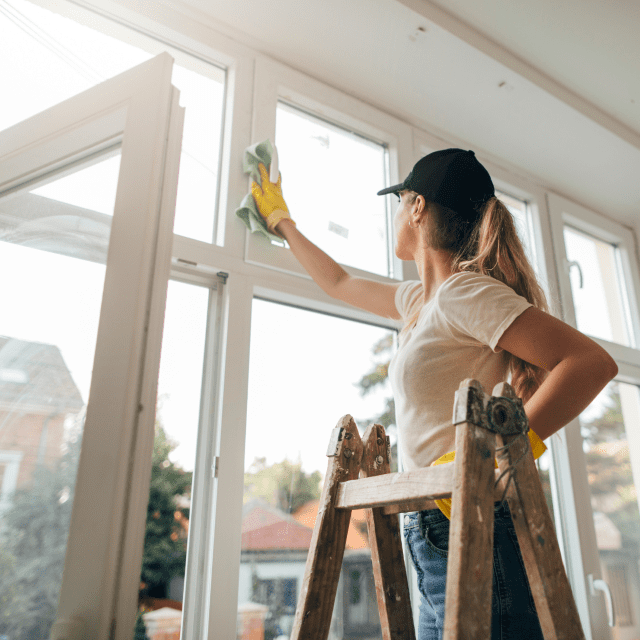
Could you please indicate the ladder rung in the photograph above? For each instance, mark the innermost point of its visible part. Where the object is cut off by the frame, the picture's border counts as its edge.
(400, 492)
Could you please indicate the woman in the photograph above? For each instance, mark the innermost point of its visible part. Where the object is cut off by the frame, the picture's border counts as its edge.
(476, 312)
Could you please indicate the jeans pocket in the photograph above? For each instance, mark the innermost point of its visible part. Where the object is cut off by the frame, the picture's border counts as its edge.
(413, 538)
(436, 536)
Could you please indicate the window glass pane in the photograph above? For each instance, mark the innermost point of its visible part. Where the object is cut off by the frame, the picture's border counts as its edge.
(597, 287)
(519, 211)
(178, 409)
(611, 442)
(299, 387)
(50, 58)
(53, 257)
(330, 178)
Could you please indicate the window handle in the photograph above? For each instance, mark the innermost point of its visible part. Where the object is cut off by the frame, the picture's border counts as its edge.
(574, 263)
(601, 585)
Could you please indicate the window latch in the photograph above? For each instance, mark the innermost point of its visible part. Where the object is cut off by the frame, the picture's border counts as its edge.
(574, 263)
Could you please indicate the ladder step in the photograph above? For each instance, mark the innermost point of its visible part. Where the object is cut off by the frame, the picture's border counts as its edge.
(400, 492)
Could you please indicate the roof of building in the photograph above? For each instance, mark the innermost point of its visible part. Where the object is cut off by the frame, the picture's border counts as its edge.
(34, 375)
(356, 535)
(265, 527)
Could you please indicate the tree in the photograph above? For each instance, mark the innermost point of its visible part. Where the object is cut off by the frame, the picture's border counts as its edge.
(165, 544)
(35, 528)
(140, 631)
(376, 377)
(283, 485)
(610, 476)
(34, 541)
(10, 602)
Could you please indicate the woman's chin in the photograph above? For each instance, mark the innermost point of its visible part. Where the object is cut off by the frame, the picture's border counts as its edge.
(402, 255)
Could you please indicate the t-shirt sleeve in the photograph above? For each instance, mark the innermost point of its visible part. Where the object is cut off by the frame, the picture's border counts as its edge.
(479, 307)
(406, 296)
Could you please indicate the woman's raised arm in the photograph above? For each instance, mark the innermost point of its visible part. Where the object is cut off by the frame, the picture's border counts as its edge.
(376, 297)
(372, 296)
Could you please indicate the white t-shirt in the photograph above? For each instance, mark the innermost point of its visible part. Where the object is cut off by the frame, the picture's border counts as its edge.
(454, 338)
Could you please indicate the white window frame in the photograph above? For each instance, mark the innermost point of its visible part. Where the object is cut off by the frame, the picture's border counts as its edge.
(138, 109)
(274, 82)
(582, 559)
(565, 211)
(199, 262)
(190, 52)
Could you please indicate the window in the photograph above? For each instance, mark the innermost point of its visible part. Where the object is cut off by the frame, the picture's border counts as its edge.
(335, 153)
(597, 287)
(522, 219)
(360, 604)
(60, 58)
(174, 451)
(330, 180)
(277, 593)
(299, 387)
(619, 584)
(48, 329)
(290, 594)
(599, 282)
(75, 377)
(610, 442)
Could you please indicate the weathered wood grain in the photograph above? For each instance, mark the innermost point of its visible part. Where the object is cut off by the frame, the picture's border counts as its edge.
(320, 583)
(402, 492)
(407, 506)
(555, 604)
(427, 483)
(392, 588)
(470, 561)
(470, 481)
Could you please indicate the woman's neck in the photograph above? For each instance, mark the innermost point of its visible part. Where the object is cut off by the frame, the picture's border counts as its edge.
(434, 267)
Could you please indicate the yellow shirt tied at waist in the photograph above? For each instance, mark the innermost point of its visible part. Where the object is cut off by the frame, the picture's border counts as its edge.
(537, 447)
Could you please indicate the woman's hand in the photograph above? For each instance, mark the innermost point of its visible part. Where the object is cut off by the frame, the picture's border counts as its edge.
(578, 368)
(269, 200)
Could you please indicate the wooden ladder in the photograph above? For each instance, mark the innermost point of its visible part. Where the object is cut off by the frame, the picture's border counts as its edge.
(474, 485)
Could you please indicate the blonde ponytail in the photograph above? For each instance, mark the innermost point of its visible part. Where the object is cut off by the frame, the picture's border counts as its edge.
(499, 253)
(491, 247)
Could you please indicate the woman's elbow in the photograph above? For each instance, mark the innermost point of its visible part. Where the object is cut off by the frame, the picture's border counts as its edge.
(607, 366)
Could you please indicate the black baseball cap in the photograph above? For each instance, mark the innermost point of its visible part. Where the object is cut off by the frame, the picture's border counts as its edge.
(453, 178)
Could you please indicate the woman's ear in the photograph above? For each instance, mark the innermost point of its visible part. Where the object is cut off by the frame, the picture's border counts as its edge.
(420, 206)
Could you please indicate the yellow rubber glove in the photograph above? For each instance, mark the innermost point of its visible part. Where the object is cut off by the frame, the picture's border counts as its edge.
(269, 200)
(537, 447)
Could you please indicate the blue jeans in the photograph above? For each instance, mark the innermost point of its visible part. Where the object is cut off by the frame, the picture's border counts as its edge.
(513, 612)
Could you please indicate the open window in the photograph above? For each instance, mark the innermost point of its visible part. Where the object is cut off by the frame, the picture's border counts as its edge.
(87, 201)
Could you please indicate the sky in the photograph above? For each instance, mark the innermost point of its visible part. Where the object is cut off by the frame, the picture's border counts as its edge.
(49, 299)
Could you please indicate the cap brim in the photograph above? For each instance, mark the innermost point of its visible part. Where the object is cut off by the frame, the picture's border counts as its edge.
(393, 189)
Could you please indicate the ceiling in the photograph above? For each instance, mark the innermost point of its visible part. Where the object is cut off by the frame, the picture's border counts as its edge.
(548, 87)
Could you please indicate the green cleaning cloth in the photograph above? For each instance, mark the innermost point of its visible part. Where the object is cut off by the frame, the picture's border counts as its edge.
(247, 211)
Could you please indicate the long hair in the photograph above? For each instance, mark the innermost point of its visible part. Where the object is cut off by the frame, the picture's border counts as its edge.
(490, 247)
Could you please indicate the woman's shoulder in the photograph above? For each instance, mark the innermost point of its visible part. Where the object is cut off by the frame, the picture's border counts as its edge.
(407, 295)
(470, 287)
(469, 280)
